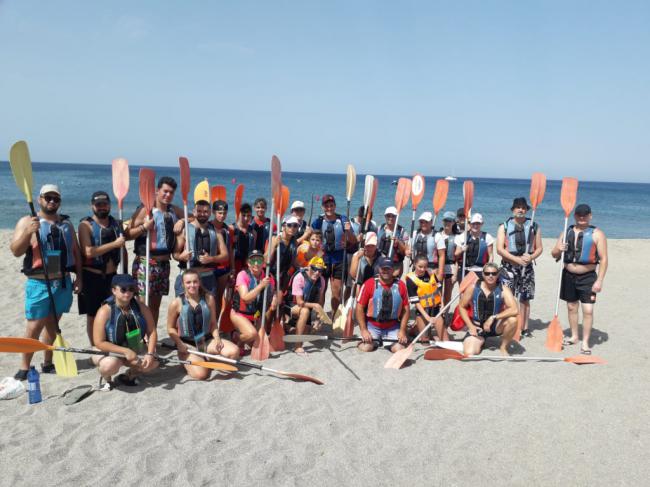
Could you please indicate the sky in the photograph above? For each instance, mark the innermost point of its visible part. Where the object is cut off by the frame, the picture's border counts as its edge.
(469, 88)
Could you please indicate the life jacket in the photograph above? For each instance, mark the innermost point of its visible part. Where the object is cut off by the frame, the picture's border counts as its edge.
(333, 232)
(162, 238)
(201, 241)
(194, 323)
(243, 243)
(520, 239)
(428, 292)
(254, 308)
(450, 243)
(426, 245)
(485, 306)
(384, 242)
(287, 255)
(311, 291)
(584, 250)
(101, 236)
(367, 270)
(228, 235)
(477, 250)
(386, 304)
(301, 229)
(119, 323)
(57, 240)
(262, 231)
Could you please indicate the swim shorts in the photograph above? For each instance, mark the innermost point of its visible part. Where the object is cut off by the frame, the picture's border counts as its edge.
(377, 332)
(96, 288)
(158, 276)
(37, 301)
(334, 271)
(521, 284)
(492, 332)
(577, 287)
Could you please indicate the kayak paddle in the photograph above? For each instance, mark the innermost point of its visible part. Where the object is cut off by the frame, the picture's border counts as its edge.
(147, 190)
(120, 190)
(468, 197)
(239, 195)
(401, 199)
(442, 354)
(417, 192)
(184, 166)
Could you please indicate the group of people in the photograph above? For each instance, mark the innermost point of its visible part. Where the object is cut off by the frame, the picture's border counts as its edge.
(250, 270)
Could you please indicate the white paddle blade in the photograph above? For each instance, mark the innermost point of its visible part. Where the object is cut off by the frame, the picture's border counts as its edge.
(367, 190)
(351, 182)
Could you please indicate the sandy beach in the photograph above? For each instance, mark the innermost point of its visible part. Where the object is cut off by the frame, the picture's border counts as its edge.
(431, 423)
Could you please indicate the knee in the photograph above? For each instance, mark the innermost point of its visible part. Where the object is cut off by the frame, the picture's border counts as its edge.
(198, 373)
(573, 307)
(108, 367)
(365, 347)
(587, 311)
(304, 313)
(511, 323)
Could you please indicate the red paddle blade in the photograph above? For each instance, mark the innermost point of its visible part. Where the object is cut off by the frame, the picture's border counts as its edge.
(21, 345)
(261, 348)
(537, 189)
(403, 193)
(417, 190)
(284, 202)
(468, 195)
(225, 325)
(147, 188)
(442, 354)
(276, 336)
(554, 336)
(120, 180)
(184, 165)
(239, 196)
(568, 195)
(440, 195)
(469, 280)
(218, 193)
(585, 359)
(276, 176)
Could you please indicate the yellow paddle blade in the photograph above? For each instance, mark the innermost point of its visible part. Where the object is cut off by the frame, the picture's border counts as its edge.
(64, 362)
(202, 192)
(324, 317)
(339, 321)
(21, 167)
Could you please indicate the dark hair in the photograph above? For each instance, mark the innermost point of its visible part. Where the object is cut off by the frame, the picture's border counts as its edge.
(192, 271)
(245, 208)
(261, 200)
(361, 212)
(420, 257)
(202, 203)
(318, 233)
(219, 205)
(460, 212)
(168, 181)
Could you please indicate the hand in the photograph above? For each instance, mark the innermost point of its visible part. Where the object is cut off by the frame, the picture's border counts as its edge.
(185, 255)
(265, 282)
(119, 242)
(308, 232)
(520, 261)
(347, 226)
(34, 225)
(488, 323)
(454, 278)
(401, 336)
(562, 247)
(182, 349)
(463, 248)
(146, 361)
(130, 356)
(597, 287)
(179, 226)
(218, 344)
(473, 331)
(366, 336)
(526, 259)
(148, 224)
(77, 285)
(204, 258)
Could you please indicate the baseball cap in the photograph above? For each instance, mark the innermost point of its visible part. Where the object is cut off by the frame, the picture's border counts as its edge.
(100, 197)
(256, 253)
(426, 216)
(123, 280)
(327, 198)
(449, 216)
(317, 262)
(291, 219)
(49, 188)
(371, 238)
(219, 205)
(476, 218)
(385, 262)
(297, 205)
(582, 209)
(391, 210)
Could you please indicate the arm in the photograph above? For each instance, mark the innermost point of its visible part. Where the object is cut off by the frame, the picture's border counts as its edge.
(99, 335)
(360, 312)
(511, 308)
(172, 320)
(601, 247)
(465, 301)
(538, 248)
(180, 254)
(559, 247)
(88, 250)
(22, 237)
(354, 264)
(139, 225)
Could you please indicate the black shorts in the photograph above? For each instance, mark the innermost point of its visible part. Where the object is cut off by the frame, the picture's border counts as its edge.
(492, 332)
(333, 271)
(577, 287)
(96, 289)
(433, 311)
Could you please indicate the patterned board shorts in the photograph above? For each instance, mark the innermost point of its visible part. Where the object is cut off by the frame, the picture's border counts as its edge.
(158, 276)
(522, 285)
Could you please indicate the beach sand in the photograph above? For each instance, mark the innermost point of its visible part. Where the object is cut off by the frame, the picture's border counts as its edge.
(431, 423)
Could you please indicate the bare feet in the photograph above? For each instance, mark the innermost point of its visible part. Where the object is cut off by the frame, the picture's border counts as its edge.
(504, 351)
(300, 351)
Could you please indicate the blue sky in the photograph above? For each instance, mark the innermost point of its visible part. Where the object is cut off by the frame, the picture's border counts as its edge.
(475, 88)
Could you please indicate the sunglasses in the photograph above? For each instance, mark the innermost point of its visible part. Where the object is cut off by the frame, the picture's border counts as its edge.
(52, 199)
(316, 269)
(125, 290)
(256, 260)
(292, 225)
(490, 273)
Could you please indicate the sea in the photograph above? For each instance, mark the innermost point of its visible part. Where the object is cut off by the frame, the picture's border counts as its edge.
(622, 210)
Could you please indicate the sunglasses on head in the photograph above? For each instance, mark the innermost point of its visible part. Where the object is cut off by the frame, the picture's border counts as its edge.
(316, 269)
(492, 273)
(51, 198)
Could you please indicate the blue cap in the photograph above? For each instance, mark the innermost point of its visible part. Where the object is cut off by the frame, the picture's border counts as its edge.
(449, 216)
(123, 280)
(385, 262)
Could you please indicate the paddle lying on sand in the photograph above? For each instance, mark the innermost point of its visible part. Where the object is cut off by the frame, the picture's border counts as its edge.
(568, 195)
(417, 192)
(21, 167)
(277, 328)
(442, 354)
(468, 197)
(402, 195)
(239, 196)
(29, 345)
(147, 187)
(399, 357)
(242, 363)
(120, 190)
(184, 166)
(218, 193)
(451, 345)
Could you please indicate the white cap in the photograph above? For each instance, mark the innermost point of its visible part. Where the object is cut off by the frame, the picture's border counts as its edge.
(476, 218)
(426, 216)
(49, 188)
(371, 238)
(391, 210)
(298, 205)
(291, 219)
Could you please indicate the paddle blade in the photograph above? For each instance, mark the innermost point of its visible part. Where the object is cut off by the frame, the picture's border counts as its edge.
(147, 188)
(184, 165)
(399, 357)
(371, 203)
(338, 326)
(537, 189)
(202, 192)
(554, 335)
(568, 195)
(417, 190)
(350, 182)
(216, 366)
(440, 195)
(470, 280)
(225, 324)
(261, 348)
(239, 196)
(367, 189)
(324, 317)
(284, 202)
(218, 193)
(276, 336)
(64, 362)
(21, 167)
(468, 196)
(348, 330)
(442, 354)
(120, 180)
(276, 176)
(22, 345)
(585, 359)
(302, 377)
(403, 193)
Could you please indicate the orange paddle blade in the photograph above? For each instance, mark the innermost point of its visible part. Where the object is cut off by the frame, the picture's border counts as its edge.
(568, 195)
(302, 377)
(147, 187)
(276, 176)
(218, 193)
(403, 193)
(284, 203)
(585, 359)
(417, 190)
(440, 195)
(468, 196)
(442, 354)
(554, 335)
(185, 177)
(537, 189)
(261, 348)
(239, 196)
(398, 358)
(120, 180)
(22, 345)
(225, 325)
(276, 336)
(216, 366)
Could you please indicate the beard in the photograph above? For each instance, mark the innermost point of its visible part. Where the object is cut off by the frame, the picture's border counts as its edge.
(101, 213)
(202, 219)
(47, 211)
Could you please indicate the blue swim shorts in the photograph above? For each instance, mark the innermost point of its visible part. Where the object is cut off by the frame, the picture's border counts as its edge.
(37, 302)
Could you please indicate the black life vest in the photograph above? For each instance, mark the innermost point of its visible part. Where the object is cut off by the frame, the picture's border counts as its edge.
(477, 250)
(485, 306)
(101, 236)
(262, 231)
(384, 242)
(243, 243)
(57, 240)
(162, 238)
(519, 238)
(582, 250)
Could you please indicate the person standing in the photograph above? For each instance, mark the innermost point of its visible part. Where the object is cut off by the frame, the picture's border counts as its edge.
(59, 243)
(101, 242)
(585, 266)
(430, 244)
(304, 230)
(478, 247)
(447, 235)
(243, 238)
(261, 225)
(387, 235)
(224, 270)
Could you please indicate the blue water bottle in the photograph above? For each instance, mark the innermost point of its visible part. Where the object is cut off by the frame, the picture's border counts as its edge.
(34, 385)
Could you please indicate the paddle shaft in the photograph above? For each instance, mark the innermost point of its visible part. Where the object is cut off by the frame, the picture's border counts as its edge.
(515, 359)
(442, 310)
(394, 236)
(146, 266)
(462, 274)
(232, 361)
(268, 262)
(123, 253)
(528, 243)
(559, 284)
(277, 266)
(187, 228)
(345, 256)
(311, 209)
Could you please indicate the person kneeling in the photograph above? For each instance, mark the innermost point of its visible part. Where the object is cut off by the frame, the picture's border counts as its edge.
(382, 310)
(488, 309)
(192, 322)
(122, 325)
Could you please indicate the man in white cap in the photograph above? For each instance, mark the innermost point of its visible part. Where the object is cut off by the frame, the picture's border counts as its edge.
(477, 249)
(58, 241)
(426, 242)
(298, 210)
(387, 235)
